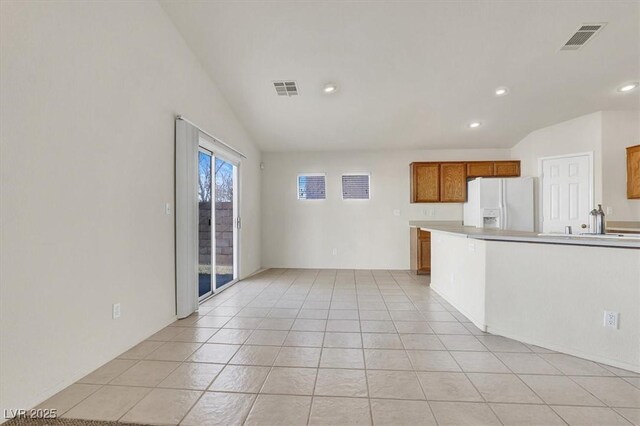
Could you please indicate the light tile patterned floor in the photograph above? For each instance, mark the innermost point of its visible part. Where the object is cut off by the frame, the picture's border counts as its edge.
(345, 347)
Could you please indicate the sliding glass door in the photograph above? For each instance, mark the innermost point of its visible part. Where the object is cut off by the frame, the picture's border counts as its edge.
(225, 220)
(218, 223)
(205, 203)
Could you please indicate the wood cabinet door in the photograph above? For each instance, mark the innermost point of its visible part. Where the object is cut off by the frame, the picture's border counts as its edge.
(453, 182)
(633, 172)
(480, 169)
(506, 168)
(424, 252)
(413, 249)
(425, 178)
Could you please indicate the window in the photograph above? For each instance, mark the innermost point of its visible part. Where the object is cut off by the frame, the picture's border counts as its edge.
(312, 186)
(355, 186)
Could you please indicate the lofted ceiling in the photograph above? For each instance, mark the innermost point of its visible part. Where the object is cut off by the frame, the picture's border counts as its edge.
(411, 74)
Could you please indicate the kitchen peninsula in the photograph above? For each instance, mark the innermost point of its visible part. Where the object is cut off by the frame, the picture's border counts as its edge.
(550, 291)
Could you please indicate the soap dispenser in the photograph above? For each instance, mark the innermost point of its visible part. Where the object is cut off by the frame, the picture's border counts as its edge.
(593, 221)
(600, 220)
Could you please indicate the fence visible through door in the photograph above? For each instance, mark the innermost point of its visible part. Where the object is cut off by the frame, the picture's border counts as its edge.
(218, 223)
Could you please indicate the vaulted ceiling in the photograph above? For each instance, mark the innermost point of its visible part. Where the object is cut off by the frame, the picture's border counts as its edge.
(411, 74)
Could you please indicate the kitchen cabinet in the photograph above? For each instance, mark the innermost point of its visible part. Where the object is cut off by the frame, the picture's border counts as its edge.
(506, 168)
(453, 183)
(480, 169)
(425, 182)
(493, 169)
(420, 251)
(446, 182)
(633, 172)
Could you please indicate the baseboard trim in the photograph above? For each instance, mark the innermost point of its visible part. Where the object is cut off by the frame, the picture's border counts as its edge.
(564, 349)
(477, 322)
(525, 339)
(80, 373)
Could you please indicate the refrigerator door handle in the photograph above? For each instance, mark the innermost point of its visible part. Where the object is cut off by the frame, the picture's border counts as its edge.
(505, 203)
(501, 215)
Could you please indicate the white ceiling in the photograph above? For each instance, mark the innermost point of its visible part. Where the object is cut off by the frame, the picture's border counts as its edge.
(411, 74)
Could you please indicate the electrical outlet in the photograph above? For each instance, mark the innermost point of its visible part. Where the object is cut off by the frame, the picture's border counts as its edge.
(115, 310)
(609, 210)
(167, 208)
(429, 211)
(334, 252)
(396, 212)
(472, 246)
(611, 319)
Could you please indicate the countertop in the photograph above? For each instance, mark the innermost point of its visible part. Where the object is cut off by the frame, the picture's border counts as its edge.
(519, 236)
(624, 226)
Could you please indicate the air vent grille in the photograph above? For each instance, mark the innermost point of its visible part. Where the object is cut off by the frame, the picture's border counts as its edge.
(590, 27)
(286, 88)
(584, 33)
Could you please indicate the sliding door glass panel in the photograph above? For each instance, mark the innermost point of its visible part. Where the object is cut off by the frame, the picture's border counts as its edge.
(225, 215)
(204, 224)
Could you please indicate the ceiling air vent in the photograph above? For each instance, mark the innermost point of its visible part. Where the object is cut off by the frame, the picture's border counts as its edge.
(286, 88)
(582, 36)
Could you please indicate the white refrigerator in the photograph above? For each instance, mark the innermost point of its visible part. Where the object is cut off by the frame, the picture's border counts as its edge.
(500, 203)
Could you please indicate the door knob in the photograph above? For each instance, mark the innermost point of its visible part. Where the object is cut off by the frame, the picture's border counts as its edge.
(583, 226)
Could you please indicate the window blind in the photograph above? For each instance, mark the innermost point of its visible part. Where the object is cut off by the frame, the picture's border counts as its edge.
(312, 187)
(355, 186)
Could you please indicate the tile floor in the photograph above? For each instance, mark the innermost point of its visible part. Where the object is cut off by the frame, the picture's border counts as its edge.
(345, 348)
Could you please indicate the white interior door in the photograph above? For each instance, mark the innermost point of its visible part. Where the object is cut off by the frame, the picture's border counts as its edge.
(567, 192)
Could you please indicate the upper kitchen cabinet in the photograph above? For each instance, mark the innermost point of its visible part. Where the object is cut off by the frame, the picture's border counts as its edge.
(446, 182)
(506, 168)
(493, 169)
(633, 172)
(425, 182)
(453, 182)
(480, 169)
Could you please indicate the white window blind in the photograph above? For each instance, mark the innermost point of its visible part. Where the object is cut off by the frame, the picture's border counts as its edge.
(355, 186)
(312, 186)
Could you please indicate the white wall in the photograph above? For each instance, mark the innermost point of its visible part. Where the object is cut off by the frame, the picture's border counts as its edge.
(89, 94)
(366, 234)
(555, 296)
(620, 129)
(458, 274)
(606, 134)
(580, 135)
(548, 295)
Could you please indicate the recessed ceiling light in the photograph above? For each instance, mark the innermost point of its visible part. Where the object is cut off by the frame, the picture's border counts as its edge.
(627, 87)
(330, 88)
(475, 124)
(501, 91)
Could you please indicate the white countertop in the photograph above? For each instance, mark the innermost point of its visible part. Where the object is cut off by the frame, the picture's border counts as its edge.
(523, 237)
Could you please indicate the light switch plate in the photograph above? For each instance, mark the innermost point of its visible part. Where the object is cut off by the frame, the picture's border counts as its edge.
(115, 311)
